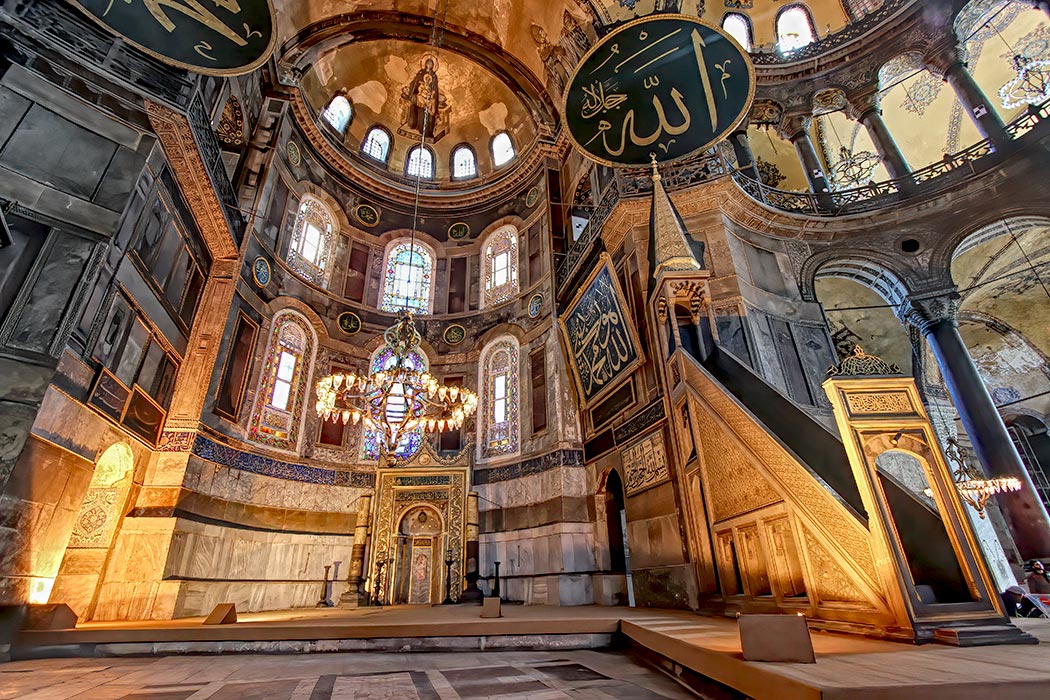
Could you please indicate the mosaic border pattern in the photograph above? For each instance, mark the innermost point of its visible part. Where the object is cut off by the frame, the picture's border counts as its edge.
(234, 458)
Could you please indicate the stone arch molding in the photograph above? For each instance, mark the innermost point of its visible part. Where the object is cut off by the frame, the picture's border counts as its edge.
(870, 272)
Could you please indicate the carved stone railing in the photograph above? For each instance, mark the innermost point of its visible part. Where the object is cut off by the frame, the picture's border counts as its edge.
(852, 31)
(946, 172)
(707, 166)
(211, 154)
(610, 198)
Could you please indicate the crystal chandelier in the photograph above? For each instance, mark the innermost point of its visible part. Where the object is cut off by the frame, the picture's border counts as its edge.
(974, 488)
(396, 400)
(1031, 86)
(854, 169)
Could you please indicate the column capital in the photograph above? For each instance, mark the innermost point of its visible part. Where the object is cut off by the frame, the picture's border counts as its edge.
(792, 126)
(943, 56)
(860, 104)
(924, 311)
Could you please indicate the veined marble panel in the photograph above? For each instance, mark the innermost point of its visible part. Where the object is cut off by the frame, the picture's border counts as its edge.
(535, 488)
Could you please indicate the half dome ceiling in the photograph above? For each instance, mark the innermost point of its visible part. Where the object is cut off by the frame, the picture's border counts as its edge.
(382, 79)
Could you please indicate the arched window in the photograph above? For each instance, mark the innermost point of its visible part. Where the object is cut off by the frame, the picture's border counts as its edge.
(337, 114)
(384, 359)
(409, 275)
(420, 163)
(464, 162)
(312, 237)
(376, 144)
(738, 26)
(499, 259)
(502, 149)
(794, 28)
(281, 397)
(498, 424)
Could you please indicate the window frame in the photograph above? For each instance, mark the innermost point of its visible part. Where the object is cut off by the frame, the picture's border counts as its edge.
(510, 400)
(491, 293)
(420, 248)
(287, 438)
(748, 27)
(492, 150)
(318, 272)
(809, 19)
(452, 163)
(433, 162)
(389, 144)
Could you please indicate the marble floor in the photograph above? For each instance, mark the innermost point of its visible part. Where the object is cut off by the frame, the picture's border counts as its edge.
(565, 675)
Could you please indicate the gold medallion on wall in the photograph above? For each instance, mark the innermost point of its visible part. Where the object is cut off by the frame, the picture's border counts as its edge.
(532, 197)
(349, 323)
(454, 334)
(366, 214)
(458, 230)
(295, 156)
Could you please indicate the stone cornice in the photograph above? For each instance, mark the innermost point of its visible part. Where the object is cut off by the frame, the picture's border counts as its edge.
(180, 149)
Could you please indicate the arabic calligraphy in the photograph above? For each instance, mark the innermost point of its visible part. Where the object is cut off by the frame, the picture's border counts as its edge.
(232, 36)
(600, 337)
(676, 85)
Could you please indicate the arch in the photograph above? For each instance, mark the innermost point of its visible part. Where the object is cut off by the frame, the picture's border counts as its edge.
(967, 240)
(615, 502)
(377, 144)
(794, 28)
(463, 163)
(281, 395)
(869, 272)
(408, 277)
(498, 424)
(338, 112)
(113, 465)
(738, 26)
(313, 240)
(381, 359)
(502, 148)
(973, 15)
(420, 163)
(499, 261)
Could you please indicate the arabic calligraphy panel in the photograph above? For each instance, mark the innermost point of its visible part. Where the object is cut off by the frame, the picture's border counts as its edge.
(668, 85)
(603, 343)
(645, 463)
(222, 37)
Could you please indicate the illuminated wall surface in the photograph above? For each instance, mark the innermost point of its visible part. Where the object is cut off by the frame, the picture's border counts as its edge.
(186, 255)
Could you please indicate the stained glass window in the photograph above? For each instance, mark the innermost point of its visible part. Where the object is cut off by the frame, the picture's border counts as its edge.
(384, 359)
(311, 245)
(409, 273)
(502, 149)
(739, 27)
(377, 144)
(498, 432)
(794, 28)
(281, 397)
(464, 164)
(500, 258)
(420, 163)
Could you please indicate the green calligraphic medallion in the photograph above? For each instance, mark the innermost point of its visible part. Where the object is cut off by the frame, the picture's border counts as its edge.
(458, 230)
(667, 85)
(349, 322)
(367, 214)
(223, 37)
(454, 334)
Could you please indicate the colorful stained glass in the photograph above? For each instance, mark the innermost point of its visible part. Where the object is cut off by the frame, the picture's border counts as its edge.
(409, 272)
(311, 245)
(277, 417)
(499, 381)
(500, 256)
(411, 443)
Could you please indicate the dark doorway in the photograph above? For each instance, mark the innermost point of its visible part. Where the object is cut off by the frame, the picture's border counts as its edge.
(614, 520)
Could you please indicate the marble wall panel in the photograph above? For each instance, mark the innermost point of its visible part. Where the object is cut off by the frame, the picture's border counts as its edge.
(550, 549)
(535, 488)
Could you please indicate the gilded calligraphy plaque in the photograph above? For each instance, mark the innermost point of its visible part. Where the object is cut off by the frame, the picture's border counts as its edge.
(221, 37)
(645, 463)
(667, 85)
(601, 338)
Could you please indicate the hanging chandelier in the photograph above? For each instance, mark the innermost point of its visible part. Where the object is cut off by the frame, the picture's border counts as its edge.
(1031, 86)
(975, 489)
(397, 400)
(854, 169)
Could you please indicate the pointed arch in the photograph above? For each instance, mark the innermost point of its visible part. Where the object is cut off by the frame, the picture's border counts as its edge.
(281, 395)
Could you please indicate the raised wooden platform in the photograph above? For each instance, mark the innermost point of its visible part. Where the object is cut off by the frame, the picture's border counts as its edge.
(847, 666)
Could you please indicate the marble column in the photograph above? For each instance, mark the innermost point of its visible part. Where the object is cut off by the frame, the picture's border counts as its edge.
(935, 317)
(950, 65)
(354, 596)
(796, 129)
(745, 158)
(472, 594)
(868, 112)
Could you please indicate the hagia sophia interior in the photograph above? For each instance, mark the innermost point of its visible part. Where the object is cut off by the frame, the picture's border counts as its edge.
(363, 329)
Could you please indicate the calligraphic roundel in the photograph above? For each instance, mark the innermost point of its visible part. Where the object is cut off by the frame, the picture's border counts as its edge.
(216, 37)
(666, 85)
